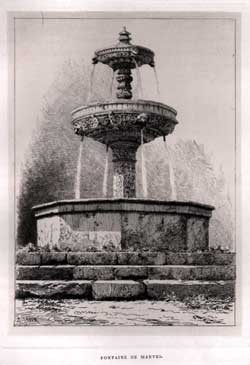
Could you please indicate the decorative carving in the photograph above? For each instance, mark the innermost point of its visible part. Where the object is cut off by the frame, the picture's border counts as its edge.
(142, 119)
(124, 151)
(93, 122)
(124, 160)
(127, 174)
(118, 186)
(124, 79)
(123, 120)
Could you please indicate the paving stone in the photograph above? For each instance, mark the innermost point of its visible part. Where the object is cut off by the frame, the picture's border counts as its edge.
(92, 258)
(164, 289)
(53, 289)
(118, 290)
(44, 272)
(28, 258)
(94, 272)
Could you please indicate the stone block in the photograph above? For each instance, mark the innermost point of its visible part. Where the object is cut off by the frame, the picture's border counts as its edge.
(213, 272)
(118, 290)
(176, 258)
(195, 258)
(165, 289)
(94, 272)
(223, 258)
(53, 258)
(169, 272)
(197, 234)
(141, 258)
(200, 258)
(44, 272)
(92, 258)
(53, 289)
(159, 232)
(185, 272)
(28, 258)
(131, 272)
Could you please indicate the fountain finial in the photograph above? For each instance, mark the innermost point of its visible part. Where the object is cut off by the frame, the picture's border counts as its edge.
(122, 58)
(124, 36)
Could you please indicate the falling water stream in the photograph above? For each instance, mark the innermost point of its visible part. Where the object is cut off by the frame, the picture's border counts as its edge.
(171, 172)
(91, 84)
(139, 83)
(157, 83)
(111, 85)
(105, 178)
(143, 169)
(78, 172)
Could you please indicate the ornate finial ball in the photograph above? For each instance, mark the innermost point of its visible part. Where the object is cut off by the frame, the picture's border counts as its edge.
(124, 36)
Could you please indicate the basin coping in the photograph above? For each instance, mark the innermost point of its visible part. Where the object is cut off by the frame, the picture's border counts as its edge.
(122, 205)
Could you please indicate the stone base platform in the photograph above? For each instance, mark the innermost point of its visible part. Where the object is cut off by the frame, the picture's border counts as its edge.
(111, 272)
(124, 275)
(125, 258)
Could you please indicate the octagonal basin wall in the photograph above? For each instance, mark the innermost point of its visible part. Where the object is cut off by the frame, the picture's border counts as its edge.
(123, 224)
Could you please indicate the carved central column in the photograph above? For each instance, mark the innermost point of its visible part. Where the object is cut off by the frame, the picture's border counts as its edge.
(124, 79)
(124, 176)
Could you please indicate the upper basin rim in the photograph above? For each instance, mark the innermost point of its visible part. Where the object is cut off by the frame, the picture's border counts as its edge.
(124, 101)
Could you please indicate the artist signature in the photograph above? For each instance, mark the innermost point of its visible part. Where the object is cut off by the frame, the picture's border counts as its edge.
(27, 319)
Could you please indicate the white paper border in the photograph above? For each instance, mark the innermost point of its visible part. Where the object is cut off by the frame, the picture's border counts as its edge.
(27, 349)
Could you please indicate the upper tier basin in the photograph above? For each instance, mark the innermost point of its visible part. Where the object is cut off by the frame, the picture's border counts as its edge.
(114, 121)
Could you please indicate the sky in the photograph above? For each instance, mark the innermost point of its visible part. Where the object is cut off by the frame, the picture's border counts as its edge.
(195, 63)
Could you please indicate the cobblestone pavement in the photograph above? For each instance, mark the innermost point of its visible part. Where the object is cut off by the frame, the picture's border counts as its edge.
(35, 312)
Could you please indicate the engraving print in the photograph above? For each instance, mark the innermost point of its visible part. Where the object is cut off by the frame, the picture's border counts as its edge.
(125, 165)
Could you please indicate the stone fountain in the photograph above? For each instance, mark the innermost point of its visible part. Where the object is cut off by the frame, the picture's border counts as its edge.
(124, 248)
(124, 222)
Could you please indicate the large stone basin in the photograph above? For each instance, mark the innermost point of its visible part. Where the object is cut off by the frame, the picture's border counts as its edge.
(123, 224)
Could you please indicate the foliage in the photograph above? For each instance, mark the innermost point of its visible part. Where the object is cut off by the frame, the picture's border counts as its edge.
(202, 302)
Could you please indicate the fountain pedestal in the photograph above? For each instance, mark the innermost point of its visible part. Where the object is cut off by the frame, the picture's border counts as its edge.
(124, 176)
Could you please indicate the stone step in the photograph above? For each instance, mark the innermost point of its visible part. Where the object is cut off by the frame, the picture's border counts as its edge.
(118, 290)
(53, 289)
(164, 289)
(125, 258)
(123, 272)
(124, 289)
